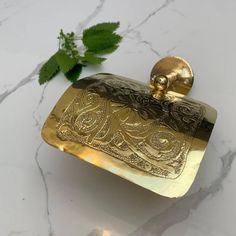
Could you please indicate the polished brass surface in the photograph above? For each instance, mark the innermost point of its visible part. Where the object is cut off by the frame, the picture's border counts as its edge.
(171, 74)
(117, 124)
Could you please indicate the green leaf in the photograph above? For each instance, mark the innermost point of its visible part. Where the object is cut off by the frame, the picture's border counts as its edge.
(107, 26)
(74, 73)
(48, 70)
(65, 62)
(100, 41)
(108, 50)
(101, 38)
(92, 59)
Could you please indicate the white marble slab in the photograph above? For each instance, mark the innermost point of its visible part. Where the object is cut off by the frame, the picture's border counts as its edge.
(44, 192)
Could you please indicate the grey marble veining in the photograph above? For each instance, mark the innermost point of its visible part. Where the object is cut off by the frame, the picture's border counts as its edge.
(180, 210)
(83, 24)
(50, 229)
(45, 192)
(21, 83)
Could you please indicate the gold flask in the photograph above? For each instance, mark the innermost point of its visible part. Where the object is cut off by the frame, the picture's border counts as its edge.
(153, 136)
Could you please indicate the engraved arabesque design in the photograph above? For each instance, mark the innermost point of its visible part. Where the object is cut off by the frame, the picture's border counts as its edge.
(122, 119)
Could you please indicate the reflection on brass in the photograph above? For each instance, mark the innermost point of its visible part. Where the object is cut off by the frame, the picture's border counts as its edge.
(123, 123)
(154, 137)
(172, 74)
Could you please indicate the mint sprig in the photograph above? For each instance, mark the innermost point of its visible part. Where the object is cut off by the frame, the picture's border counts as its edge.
(71, 57)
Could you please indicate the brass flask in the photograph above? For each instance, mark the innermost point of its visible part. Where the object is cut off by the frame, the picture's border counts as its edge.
(153, 136)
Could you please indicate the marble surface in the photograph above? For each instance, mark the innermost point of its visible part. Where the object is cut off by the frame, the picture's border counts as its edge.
(44, 192)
